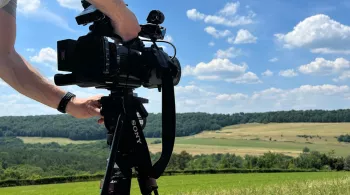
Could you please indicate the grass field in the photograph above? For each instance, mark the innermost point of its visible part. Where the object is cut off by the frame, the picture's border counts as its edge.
(332, 183)
(255, 139)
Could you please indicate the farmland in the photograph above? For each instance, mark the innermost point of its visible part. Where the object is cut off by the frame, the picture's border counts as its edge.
(254, 139)
(226, 184)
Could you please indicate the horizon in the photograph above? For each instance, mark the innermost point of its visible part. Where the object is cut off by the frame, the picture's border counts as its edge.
(244, 56)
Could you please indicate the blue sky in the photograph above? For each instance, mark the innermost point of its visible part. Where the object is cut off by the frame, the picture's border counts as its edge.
(237, 56)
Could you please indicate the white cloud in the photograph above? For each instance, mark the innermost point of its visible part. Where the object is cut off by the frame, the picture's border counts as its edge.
(267, 73)
(320, 66)
(230, 9)
(246, 78)
(30, 49)
(229, 53)
(71, 4)
(211, 44)
(28, 6)
(217, 33)
(243, 36)
(34, 8)
(230, 97)
(193, 14)
(168, 38)
(288, 73)
(226, 16)
(46, 56)
(315, 32)
(273, 60)
(196, 99)
(344, 76)
(216, 66)
(221, 70)
(330, 51)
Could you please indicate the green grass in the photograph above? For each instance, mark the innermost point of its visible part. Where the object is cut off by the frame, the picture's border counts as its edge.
(259, 183)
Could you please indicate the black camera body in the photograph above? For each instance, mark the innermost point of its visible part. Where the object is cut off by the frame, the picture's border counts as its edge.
(94, 61)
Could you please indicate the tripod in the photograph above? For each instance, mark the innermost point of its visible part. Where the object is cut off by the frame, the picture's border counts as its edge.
(128, 147)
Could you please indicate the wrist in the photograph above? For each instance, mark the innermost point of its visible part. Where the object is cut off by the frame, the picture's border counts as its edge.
(71, 106)
(67, 103)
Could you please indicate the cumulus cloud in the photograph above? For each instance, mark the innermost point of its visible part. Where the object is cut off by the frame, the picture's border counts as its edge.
(221, 70)
(321, 66)
(267, 73)
(46, 56)
(229, 53)
(230, 9)
(217, 33)
(243, 37)
(288, 73)
(211, 44)
(226, 16)
(344, 76)
(271, 99)
(194, 98)
(319, 33)
(246, 78)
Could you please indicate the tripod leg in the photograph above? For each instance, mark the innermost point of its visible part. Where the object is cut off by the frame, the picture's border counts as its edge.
(121, 183)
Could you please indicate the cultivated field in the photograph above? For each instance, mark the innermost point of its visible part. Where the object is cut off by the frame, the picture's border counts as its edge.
(333, 183)
(256, 139)
(45, 140)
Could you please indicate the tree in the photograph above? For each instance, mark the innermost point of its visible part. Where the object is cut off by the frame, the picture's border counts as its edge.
(347, 163)
(306, 150)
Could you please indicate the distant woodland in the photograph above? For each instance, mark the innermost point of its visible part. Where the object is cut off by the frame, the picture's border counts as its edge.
(187, 123)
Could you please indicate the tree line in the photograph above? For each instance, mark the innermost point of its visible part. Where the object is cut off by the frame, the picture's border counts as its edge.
(34, 161)
(186, 124)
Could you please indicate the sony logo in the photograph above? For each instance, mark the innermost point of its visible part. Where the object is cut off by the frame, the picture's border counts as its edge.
(136, 131)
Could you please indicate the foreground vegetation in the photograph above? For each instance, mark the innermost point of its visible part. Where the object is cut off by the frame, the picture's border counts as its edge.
(330, 183)
(187, 124)
(34, 161)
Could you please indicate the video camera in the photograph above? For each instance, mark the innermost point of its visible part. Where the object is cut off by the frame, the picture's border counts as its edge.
(94, 61)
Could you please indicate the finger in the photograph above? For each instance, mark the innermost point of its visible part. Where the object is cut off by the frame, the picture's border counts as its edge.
(100, 121)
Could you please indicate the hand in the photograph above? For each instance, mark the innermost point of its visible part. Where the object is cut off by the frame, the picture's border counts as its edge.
(126, 27)
(85, 108)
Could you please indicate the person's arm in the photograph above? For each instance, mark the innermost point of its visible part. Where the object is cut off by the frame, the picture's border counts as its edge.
(123, 20)
(21, 76)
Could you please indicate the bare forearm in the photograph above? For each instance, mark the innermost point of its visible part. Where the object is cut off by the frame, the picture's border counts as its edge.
(123, 20)
(109, 7)
(21, 76)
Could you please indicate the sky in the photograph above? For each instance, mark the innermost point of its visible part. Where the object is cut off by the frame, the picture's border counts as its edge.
(236, 56)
